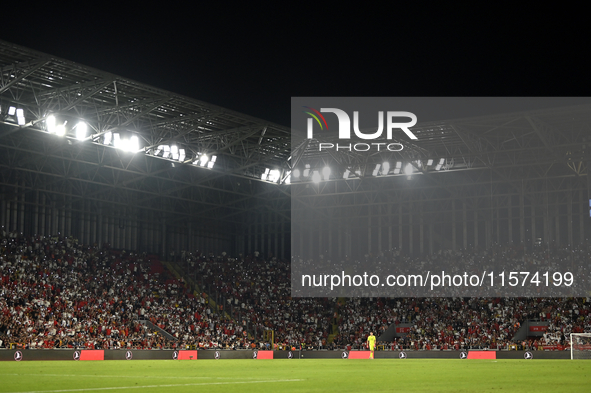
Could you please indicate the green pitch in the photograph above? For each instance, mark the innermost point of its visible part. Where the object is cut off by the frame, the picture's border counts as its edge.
(334, 375)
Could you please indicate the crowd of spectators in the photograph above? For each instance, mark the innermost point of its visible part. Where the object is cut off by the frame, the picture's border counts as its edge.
(473, 322)
(56, 293)
(257, 291)
(447, 323)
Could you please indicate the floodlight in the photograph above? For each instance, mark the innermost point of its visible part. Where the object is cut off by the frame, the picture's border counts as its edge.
(81, 129)
(346, 174)
(296, 173)
(174, 150)
(307, 170)
(211, 162)
(385, 168)
(117, 141)
(429, 162)
(441, 162)
(203, 159)
(11, 111)
(60, 130)
(133, 144)
(50, 123)
(358, 172)
(398, 168)
(181, 154)
(166, 153)
(274, 175)
(20, 117)
(288, 179)
(326, 172)
(109, 137)
(316, 177)
(376, 170)
(408, 169)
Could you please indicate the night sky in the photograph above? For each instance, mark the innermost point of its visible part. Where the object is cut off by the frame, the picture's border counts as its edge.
(252, 60)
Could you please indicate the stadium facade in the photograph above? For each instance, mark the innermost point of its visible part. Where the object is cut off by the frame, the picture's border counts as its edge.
(111, 160)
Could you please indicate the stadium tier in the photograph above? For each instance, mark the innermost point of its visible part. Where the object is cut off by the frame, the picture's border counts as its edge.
(57, 293)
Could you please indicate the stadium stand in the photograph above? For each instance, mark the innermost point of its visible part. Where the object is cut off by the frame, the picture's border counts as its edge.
(57, 293)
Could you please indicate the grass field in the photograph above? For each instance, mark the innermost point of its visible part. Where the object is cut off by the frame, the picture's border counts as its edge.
(333, 375)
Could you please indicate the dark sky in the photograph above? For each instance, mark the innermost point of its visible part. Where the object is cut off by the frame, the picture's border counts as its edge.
(253, 59)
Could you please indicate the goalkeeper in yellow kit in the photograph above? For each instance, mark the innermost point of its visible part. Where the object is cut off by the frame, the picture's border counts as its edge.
(371, 344)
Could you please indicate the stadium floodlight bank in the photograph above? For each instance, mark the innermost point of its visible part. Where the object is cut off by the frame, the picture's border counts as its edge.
(580, 346)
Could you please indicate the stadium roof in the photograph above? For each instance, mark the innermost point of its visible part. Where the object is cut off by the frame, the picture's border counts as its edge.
(541, 143)
(44, 85)
(140, 144)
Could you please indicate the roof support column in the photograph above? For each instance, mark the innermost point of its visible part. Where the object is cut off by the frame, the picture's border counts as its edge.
(498, 220)
(534, 238)
(465, 225)
(3, 208)
(475, 225)
(389, 227)
(421, 233)
(42, 215)
(557, 225)
(410, 228)
(400, 227)
(521, 218)
(546, 220)
(510, 219)
(453, 226)
(369, 231)
(582, 217)
(569, 218)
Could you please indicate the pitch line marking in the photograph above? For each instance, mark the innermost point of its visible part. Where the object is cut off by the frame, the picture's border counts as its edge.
(118, 376)
(158, 386)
